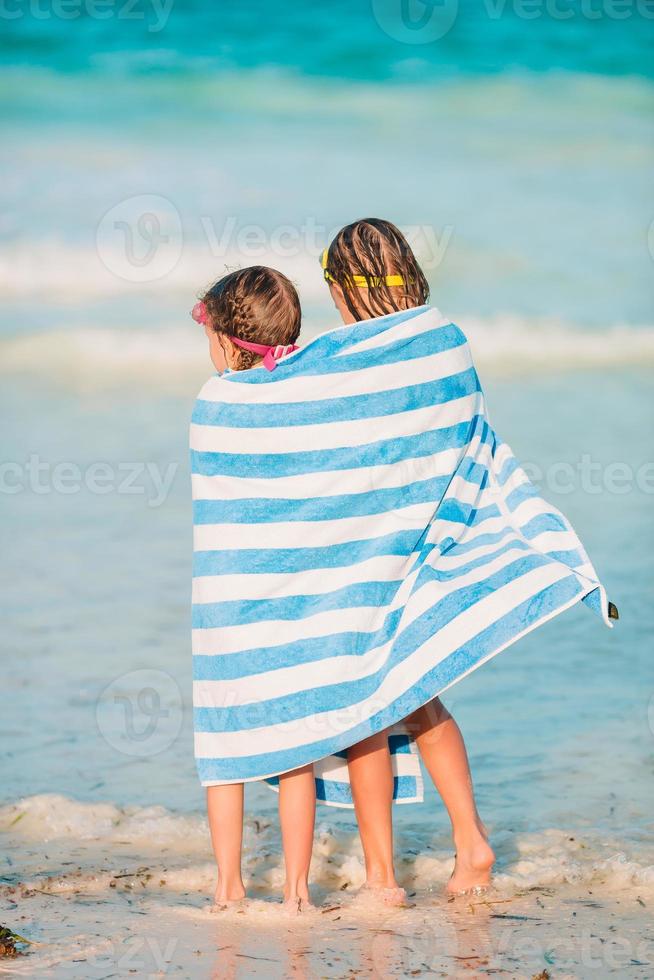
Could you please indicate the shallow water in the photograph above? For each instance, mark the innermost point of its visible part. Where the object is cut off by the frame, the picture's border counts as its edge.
(99, 592)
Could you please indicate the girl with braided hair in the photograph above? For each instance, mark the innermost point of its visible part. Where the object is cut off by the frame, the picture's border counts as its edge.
(252, 319)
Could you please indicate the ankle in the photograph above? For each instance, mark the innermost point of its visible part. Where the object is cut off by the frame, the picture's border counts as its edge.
(295, 888)
(229, 889)
(380, 876)
(474, 851)
(469, 833)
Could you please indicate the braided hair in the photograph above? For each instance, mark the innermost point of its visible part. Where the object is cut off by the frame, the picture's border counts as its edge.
(375, 249)
(258, 305)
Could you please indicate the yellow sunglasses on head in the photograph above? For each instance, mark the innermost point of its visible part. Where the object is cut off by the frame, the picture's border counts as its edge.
(361, 282)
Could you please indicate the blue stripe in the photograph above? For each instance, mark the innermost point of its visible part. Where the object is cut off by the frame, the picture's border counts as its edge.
(399, 743)
(321, 348)
(509, 467)
(209, 615)
(337, 791)
(594, 601)
(450, 546)
(333, 791)
(451, 574)
(345, 409)
(271, 510)
(473, 472)
(543, 522)
(245, 663)
(526, 491)
(486, 643)
(571, 558)
(285, 560)
(384, 451)
(460, 513)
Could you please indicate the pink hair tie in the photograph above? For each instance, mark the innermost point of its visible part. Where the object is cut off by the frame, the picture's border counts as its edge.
(199, 313)
(270, 353)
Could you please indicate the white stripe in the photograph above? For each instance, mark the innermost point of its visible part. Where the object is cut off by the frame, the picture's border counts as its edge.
(429, 320)
(224, 588)
(361, 619)
(342, 530)
(325, 483)
(554, 541)
(336, 769)
(332, 435)
(537, 507)
(354, 384)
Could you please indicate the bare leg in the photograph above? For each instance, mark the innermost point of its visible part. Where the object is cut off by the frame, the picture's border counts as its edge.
(444, 754)
(225, 813)
(297, 814)
(371, 779)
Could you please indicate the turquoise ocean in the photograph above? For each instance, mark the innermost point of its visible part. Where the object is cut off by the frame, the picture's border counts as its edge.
(146, 152)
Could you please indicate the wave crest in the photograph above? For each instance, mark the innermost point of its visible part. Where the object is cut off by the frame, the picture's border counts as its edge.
(177, 356)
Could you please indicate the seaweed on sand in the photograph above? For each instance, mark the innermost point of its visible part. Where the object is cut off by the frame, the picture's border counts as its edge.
(8, 941)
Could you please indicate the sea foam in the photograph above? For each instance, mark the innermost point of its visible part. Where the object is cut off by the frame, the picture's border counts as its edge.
(116, 846)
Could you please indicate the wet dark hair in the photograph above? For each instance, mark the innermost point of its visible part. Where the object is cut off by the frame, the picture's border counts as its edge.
(374, 248)
(256, 304)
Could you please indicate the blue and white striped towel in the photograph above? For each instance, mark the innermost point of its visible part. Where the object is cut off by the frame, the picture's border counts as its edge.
(362, 540)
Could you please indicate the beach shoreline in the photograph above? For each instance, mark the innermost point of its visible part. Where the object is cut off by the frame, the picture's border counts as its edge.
(104, 891)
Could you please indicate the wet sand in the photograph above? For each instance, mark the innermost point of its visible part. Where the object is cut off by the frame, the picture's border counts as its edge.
(139, 930)
(116, 893)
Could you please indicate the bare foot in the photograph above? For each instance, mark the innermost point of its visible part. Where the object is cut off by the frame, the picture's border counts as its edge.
(394, 896)
(297, 906)
(227, 896)
(472, 867)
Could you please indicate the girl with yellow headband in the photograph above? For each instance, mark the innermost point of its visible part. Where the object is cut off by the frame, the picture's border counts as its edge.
(372, 271)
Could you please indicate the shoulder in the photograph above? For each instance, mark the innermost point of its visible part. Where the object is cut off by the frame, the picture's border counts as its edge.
(207, 406)
(211, 389)
(457, 334)
(451, 334)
